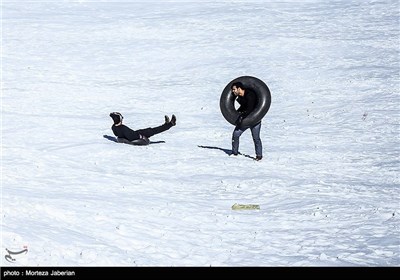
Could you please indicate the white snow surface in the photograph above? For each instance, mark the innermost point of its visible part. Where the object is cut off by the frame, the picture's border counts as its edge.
(327, 187)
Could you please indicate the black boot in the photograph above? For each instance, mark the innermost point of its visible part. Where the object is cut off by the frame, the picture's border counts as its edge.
(166, 119)
(173, 120)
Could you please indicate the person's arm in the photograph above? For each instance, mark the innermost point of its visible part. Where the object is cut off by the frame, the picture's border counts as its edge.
(241, 103)
(240, 110)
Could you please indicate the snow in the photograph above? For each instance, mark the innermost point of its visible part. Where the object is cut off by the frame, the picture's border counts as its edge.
(327, 188)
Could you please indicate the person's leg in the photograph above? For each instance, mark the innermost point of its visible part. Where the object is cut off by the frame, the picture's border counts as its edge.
(255, 133)
(235, 140)
(150, 131)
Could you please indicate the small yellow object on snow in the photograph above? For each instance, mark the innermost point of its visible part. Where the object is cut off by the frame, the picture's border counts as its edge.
(245, 206)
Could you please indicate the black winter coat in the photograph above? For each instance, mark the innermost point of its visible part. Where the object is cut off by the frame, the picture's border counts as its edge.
(248, 102)
(123, 131)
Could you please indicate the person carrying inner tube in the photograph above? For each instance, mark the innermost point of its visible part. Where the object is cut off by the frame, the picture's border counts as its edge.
(124, 132)
(247, 99)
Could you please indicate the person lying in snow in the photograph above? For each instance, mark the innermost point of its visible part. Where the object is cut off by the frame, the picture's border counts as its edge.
(138, 137)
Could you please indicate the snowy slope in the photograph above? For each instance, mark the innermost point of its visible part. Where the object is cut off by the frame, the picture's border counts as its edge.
(328, 186)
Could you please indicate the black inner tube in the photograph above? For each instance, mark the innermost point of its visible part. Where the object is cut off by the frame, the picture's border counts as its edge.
(227, 101)
(138, 142)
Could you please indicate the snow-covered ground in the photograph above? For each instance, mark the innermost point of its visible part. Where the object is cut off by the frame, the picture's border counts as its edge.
(328, 186)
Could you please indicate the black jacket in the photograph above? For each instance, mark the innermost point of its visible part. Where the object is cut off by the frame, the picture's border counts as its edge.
(123, 131)
(248, 102)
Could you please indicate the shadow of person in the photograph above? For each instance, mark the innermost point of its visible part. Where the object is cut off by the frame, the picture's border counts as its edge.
(111, 138)
(114, 139)
(226, 151)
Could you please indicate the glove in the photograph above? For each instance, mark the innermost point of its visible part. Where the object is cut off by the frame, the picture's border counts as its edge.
(239, 120)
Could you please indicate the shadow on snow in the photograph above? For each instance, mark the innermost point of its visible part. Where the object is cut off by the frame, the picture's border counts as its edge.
(226, 151)
(114, 139)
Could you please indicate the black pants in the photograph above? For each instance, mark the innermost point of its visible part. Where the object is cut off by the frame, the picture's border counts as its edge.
(150, 131)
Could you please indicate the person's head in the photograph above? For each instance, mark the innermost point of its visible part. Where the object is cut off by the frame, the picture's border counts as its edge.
(238, 89)
(117, 117)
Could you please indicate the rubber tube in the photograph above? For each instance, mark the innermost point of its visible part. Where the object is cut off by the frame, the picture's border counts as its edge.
(227, 101)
